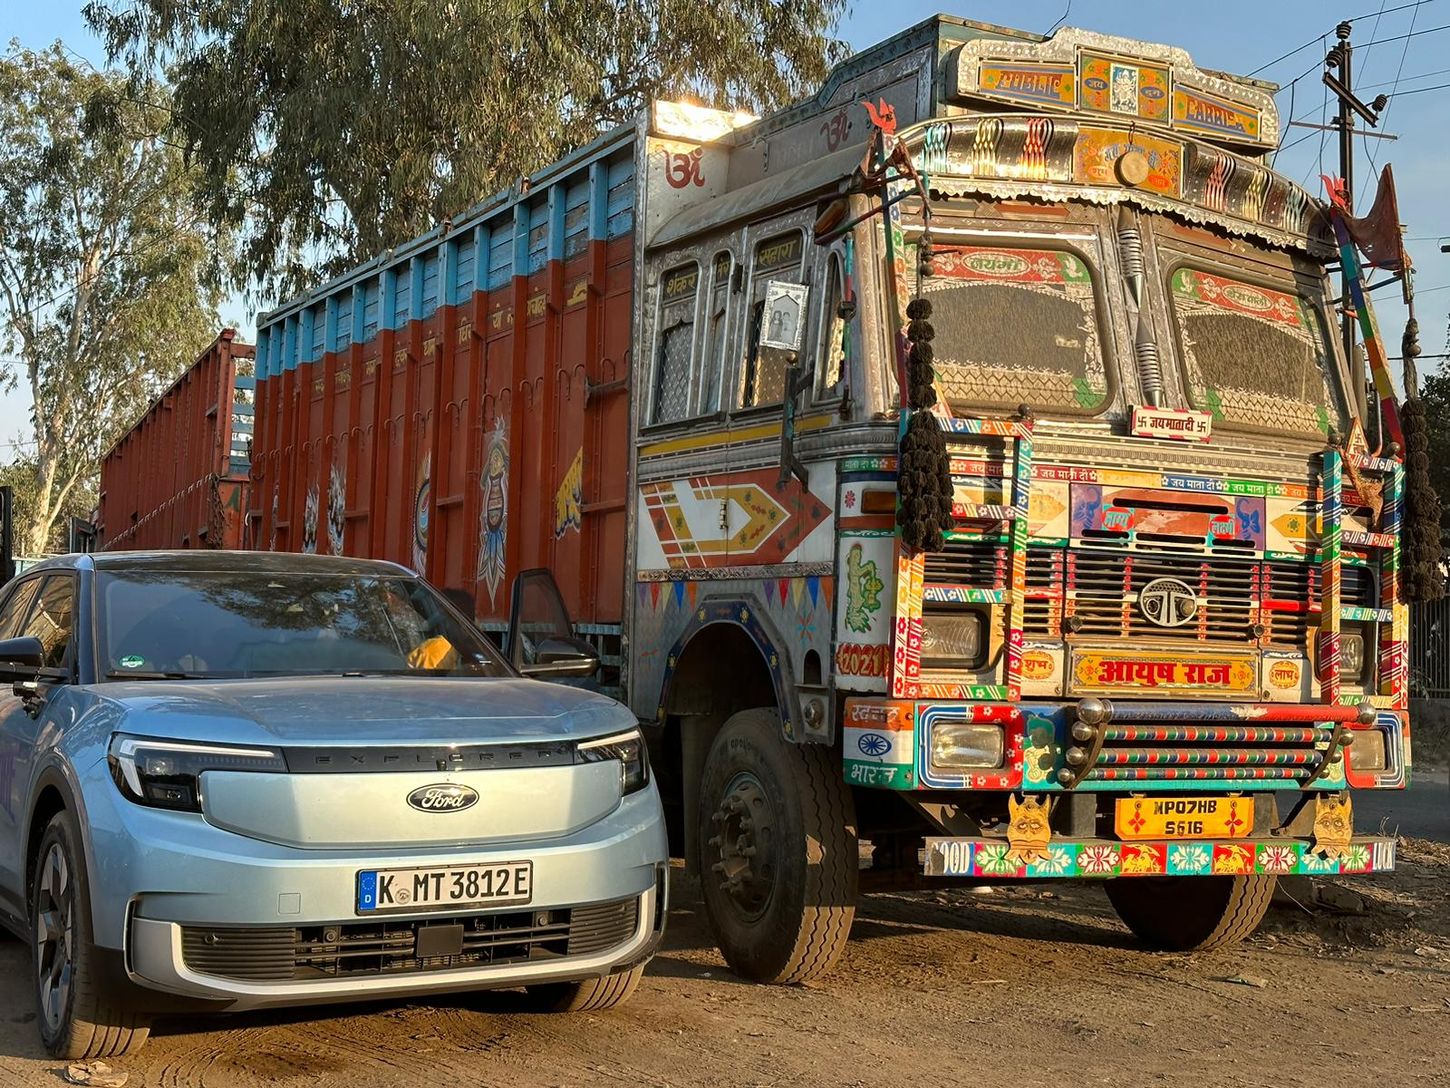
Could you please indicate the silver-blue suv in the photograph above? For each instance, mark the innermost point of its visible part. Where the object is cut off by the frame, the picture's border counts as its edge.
(238, 780)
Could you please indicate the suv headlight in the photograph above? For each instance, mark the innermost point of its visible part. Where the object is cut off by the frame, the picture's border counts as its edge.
(627, 747)
(167, 773)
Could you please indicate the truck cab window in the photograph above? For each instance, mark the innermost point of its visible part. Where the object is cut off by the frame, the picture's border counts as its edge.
(1017, 326)
(678, 288)
(776, 258)
(833, 331)
(717, 333)
(1254, 356)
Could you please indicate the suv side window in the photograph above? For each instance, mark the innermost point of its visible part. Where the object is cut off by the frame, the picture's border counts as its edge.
(53, 619)
(13, 612)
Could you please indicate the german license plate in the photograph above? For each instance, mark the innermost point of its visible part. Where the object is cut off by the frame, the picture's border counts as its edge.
(1184, 817)
(450, 888)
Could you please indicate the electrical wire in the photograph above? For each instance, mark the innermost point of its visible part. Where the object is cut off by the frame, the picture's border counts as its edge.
(1299, 49)
(1422, 90)
(1065, 13)
(1370, 151)
(1376, 28)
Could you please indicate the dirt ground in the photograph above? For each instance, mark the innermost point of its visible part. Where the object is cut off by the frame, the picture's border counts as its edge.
(1028, 986)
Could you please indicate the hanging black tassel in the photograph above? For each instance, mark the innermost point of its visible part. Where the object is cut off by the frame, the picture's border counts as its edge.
(1423, 574)
(924, 475)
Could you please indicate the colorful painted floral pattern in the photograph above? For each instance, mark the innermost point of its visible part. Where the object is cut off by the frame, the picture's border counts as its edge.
(1189, 859)
(1056, 861)
(993, 860)
(1278, 859)
(1099, 860)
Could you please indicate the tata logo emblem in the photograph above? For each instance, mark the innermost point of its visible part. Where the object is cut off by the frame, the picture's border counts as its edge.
(443, 797)
(1167, 602)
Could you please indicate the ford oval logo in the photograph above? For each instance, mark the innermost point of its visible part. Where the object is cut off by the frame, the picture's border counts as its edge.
(444, 797)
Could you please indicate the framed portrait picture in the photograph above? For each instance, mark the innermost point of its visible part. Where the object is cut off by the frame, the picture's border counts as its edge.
(783, 324)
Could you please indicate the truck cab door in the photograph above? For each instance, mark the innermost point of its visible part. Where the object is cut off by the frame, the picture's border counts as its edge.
(541, 642)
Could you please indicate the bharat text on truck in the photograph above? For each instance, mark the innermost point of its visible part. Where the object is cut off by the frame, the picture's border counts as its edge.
(959, 471)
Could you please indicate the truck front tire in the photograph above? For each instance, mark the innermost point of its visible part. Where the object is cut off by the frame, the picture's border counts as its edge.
(778, 852)
(1191, 913)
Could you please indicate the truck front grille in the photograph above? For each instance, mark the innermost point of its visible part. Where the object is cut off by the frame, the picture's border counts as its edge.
(1103, 588)
(386, 947)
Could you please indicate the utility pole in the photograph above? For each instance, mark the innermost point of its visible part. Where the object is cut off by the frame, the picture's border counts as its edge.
(1341, 57)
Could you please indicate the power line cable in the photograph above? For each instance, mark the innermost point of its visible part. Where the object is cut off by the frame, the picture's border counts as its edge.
(1370, 151)
(1300, 48)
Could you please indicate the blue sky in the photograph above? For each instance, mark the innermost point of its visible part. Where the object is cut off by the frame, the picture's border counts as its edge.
(1234, 35)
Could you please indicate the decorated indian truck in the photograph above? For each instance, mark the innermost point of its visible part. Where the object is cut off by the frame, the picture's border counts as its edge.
(958, 470)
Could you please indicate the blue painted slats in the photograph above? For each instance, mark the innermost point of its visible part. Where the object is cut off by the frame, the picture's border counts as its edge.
(403, 308)
(372, 308)
(588, 196)
(342, 336)
(500, 254)
(538, 236)
(466, 265)
(430, 284)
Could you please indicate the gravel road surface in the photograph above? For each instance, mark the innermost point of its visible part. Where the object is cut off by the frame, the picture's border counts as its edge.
(1027, 986)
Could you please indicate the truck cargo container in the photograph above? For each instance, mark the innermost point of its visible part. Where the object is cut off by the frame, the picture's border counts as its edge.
(1123, 603)
(179, 477)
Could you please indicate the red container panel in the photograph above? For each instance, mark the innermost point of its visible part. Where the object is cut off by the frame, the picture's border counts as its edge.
(464, 410)
(179, 477)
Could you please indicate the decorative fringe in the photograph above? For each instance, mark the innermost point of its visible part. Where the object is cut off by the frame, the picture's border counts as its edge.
(1424, 575)
(924, 475)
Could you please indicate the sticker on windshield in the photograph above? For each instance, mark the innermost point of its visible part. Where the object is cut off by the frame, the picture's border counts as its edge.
(131, 661)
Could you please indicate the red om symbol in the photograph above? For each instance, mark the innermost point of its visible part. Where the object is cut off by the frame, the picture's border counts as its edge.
(683, 167)
(836, 129)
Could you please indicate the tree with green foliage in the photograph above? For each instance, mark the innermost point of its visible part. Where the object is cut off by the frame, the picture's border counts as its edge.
(330, 131)
(107, 277)
(1435, 394)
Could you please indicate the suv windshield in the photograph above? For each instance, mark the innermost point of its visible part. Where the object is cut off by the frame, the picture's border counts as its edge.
(183, 624)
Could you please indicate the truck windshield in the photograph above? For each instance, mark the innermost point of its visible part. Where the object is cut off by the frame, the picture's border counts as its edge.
(191, 625)
(1016, 326)
(1255, 356)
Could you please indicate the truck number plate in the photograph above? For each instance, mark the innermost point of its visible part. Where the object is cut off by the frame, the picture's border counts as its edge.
(1184, 817)
(456, 886)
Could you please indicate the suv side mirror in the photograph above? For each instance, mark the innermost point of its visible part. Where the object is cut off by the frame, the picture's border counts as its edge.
(20, 658)
(558, 658)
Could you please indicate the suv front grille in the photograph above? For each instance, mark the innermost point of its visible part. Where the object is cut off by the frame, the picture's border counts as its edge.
(387, 947)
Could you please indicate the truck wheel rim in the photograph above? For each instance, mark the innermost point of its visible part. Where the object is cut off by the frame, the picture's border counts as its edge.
(54, 935)
(744, 841)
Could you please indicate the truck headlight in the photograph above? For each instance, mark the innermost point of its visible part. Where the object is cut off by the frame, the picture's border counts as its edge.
(167, 773)
(962, 745)
(1367, 751)
(951, 639)
(1351, 657)
(627, 747)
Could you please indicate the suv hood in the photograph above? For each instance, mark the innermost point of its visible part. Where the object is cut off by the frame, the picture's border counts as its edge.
(360, 711)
